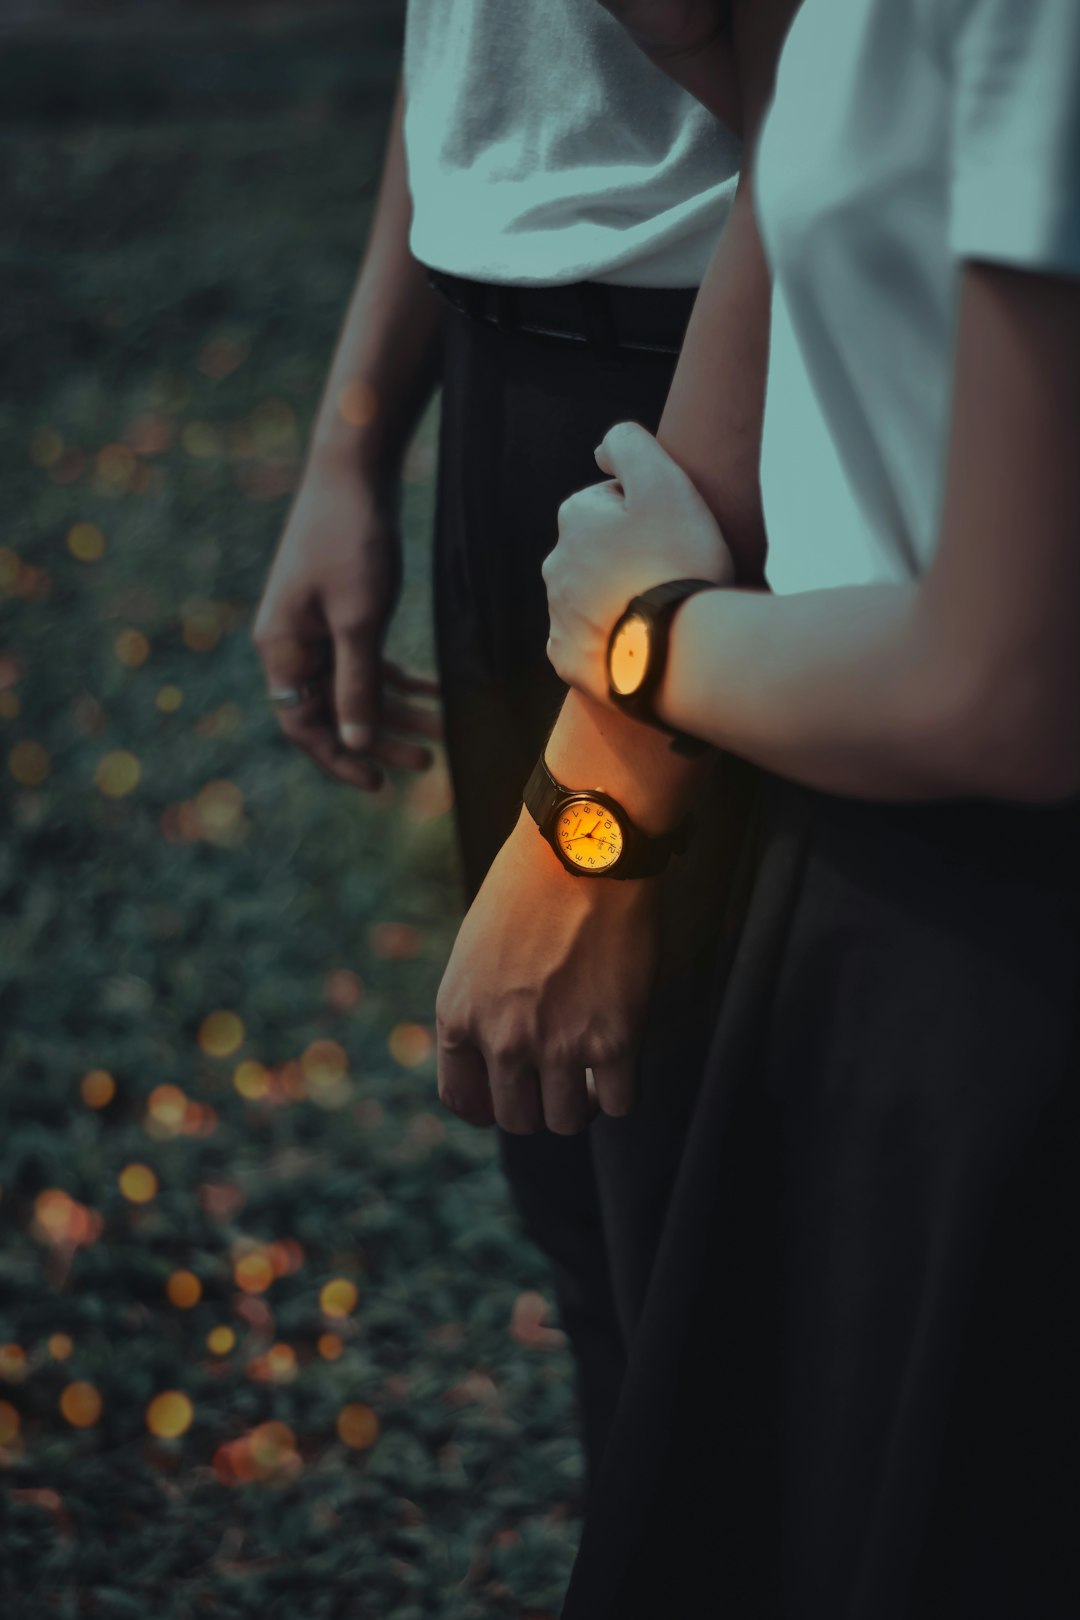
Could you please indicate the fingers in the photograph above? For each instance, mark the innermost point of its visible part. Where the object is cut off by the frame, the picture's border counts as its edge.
(616, 1085)
(629, 453)
(410, 717)
(293, 661)
(566, 1100)
(409, 681)
(463, 1082)
(310, 727)
(515, 1096)
(356, 687)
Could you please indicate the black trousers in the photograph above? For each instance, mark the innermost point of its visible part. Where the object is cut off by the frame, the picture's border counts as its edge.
(852, 1392)
(521, 415)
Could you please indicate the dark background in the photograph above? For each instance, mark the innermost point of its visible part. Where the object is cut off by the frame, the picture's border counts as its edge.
(241, 955)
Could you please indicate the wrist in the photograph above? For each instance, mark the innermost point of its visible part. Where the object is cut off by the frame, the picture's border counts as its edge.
(533, 857)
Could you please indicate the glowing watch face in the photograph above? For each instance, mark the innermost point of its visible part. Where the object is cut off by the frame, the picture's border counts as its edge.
(629, 653)
(589, 835)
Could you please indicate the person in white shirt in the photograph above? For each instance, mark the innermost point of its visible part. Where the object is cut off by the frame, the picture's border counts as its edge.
(565, 196)
(852, 1391)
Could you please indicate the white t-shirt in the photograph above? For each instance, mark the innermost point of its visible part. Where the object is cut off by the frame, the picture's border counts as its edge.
(905, 136)
(544, 147)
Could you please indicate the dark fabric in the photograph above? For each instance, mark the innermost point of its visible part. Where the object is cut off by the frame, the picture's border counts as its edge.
(609, 318)
(852, 1393)
(520, 418)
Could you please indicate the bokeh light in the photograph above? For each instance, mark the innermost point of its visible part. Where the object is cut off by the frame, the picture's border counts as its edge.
(184, 1289)
(29, 763)
(221, 1033)
(132, 648)
(138, 1183)
(118, 773)
(169, 699)
(86, 542)
(170, 1414)
(9, 1423)
(220, 1340)
(338, 1297)
(357, 1425)
(80, 1404)
(97, 1088)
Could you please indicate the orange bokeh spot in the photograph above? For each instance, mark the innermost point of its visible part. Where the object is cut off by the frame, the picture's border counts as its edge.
(9, 1423)
(410, 1044)
(338, 1297)
(80, 1404)
(117, 773)
(330, 1346)
(396, 941)
(167, 1105)
(12, 1363)
(251, 1079)
(60, 1346)
(324, 1063)
(254, 1272)
(169, 1414)
(60, 1219)
(221, 1033)
(220, 1340)
(344, 989)
(138, 1183)
(29, 763)
(98, 1088)
(184, 1289)
(357, 1425)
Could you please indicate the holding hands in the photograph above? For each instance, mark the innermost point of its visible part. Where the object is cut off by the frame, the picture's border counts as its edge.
(645, 526)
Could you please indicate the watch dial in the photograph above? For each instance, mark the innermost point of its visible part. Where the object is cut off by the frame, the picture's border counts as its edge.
(589, 835)
(630, 654)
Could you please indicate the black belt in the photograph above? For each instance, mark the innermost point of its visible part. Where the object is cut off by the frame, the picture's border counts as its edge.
(606, 317)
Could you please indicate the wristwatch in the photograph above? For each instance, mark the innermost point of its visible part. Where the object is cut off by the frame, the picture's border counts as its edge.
(592, 834)
(637, 655)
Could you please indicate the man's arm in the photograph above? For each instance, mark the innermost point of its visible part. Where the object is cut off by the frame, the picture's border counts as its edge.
(336, 575)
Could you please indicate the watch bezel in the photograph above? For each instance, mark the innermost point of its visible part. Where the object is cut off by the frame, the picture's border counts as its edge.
(588, 796)
(650, 680)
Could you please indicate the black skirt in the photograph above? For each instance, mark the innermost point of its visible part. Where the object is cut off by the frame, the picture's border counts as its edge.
(851, 1394)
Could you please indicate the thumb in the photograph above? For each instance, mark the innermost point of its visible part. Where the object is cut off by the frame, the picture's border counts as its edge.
(356, 688)
(630, 454)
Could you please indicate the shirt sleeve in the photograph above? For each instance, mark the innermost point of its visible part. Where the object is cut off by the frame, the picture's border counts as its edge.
(1015, 132)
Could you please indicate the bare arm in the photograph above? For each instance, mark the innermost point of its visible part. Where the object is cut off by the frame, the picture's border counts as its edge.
(712, 427)
(969, 681)
(335, 578)
(389, 351)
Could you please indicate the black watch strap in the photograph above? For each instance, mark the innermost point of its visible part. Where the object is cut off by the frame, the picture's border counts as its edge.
(658, 606)
(644, 854)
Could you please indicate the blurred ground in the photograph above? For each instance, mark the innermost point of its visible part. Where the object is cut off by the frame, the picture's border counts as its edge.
(271, 1342)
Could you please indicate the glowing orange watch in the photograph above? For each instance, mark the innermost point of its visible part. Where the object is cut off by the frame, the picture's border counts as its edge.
(592, 834)
(637, 655)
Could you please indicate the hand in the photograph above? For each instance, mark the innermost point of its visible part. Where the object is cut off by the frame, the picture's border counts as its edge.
(548, 976)
(646, 526)
(324, 612)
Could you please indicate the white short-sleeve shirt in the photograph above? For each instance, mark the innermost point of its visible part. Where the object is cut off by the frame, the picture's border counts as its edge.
(544, 147)
(905, 136)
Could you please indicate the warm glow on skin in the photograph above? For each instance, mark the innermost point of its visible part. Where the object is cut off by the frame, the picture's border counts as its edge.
(629, 654)
(589, 835)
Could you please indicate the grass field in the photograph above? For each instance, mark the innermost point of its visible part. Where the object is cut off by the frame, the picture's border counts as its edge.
(271, 1344)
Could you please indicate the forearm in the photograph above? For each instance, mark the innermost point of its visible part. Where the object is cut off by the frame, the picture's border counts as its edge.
(712, 427)
(853, 691)
(388, 355)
